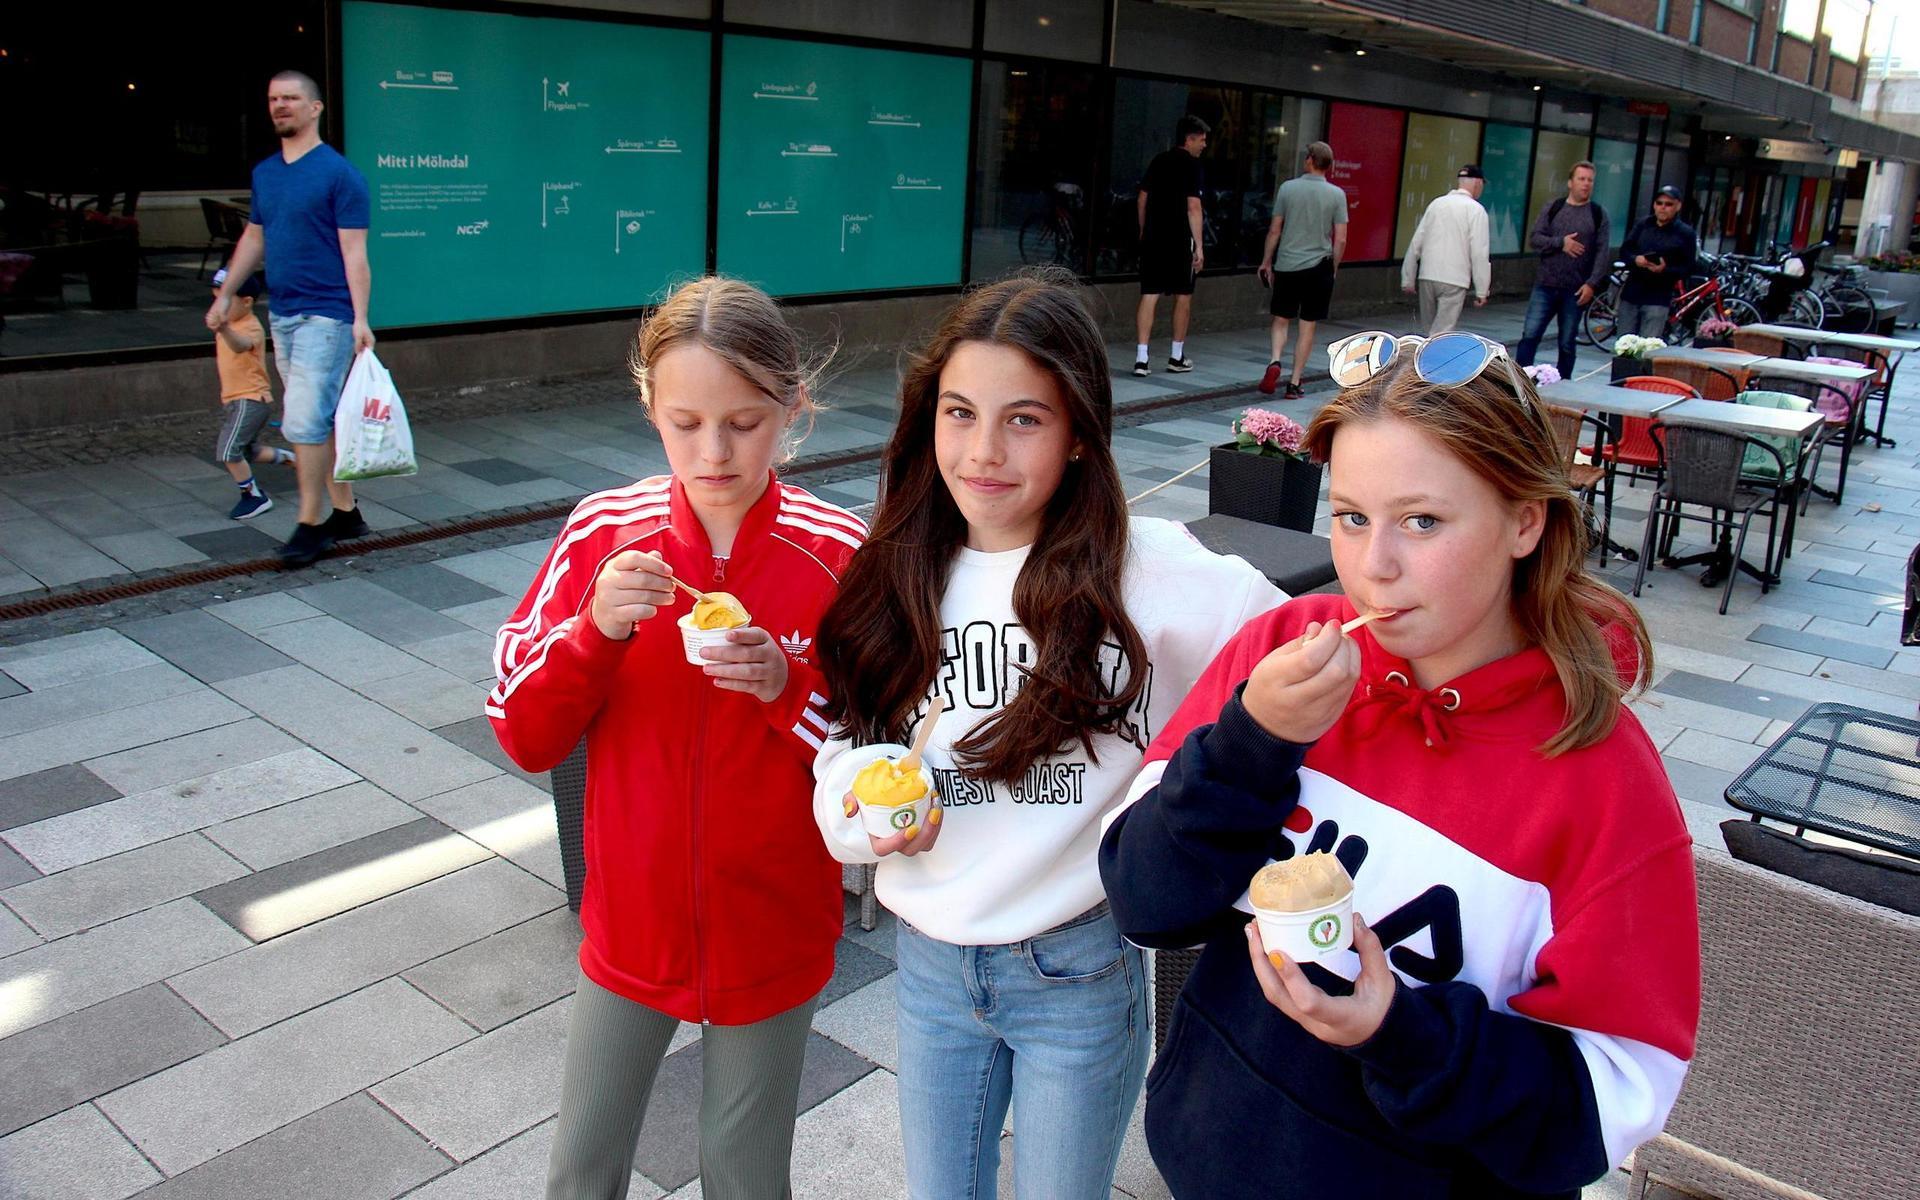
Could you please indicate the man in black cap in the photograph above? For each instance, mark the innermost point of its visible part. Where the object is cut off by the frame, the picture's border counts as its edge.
(1448, 254)
(1659, 251)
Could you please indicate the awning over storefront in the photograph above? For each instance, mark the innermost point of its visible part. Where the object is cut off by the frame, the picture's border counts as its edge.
(1582, 50)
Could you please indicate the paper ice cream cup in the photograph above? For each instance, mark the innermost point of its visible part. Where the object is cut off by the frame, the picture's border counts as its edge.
(696, 639)
(1314, 935)
(885, 820)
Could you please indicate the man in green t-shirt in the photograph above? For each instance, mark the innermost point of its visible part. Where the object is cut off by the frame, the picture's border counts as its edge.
(1305, 242)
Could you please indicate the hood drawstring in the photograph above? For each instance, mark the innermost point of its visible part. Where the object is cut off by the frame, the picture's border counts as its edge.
(1395, 695)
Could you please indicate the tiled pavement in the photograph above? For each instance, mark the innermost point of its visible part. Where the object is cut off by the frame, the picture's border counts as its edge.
(277, 918)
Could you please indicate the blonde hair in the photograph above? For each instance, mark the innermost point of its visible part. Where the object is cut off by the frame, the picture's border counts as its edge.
(744, 326)
(1507, 441)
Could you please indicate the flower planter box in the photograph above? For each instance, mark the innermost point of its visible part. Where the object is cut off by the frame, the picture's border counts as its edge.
(1899, 285)
(1626, 367)
(1259, 487)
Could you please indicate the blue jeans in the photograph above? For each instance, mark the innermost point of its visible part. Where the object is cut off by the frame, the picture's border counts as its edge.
(313, 354)
(1543, 305)
(1056, 1024)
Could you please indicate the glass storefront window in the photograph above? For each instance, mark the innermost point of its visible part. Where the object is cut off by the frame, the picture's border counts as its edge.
(1553, 159)
(1505, 157)
(1033, 172)
(1613, 184)
(1569, 114)
(1286, 125)
(1436, 149)
(1367, 142)
(1144, 114)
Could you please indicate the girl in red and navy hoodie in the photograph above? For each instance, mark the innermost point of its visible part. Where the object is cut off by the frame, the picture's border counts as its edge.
(1520, 1004)
(709, 897)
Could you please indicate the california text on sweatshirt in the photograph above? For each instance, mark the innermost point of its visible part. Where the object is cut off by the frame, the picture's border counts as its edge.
(1015, 862)
(1538, 914)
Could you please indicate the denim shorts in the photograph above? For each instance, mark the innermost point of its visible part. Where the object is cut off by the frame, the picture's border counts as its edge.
(313, 354)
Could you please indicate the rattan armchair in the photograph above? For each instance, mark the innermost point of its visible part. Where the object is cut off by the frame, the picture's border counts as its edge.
(1705, 468)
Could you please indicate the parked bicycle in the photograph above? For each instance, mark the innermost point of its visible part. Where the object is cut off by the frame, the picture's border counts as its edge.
(1054, 236)
(1696, 301)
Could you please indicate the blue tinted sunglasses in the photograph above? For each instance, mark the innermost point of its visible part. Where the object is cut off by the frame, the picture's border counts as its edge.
(1447, 360)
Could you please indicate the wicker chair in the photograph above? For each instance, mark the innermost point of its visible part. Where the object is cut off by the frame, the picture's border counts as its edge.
(1836, 405)
(1632, 447)
(1709, 383)
(1766, 345)
(1704, 467)
(1880, 387)
(1804, 1083)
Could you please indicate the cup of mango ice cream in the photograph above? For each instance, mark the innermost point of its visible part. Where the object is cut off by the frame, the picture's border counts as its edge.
(891, 800)
(713, 615)
(1304, 906)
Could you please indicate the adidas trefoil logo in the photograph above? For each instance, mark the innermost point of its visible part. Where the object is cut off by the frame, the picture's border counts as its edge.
(796, 645)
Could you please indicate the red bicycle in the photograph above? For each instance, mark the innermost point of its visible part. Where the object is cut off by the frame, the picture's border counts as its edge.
(1711, 298)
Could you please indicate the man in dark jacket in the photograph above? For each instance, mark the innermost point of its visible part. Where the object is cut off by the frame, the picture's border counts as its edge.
(1572, 238)
(1660, 252)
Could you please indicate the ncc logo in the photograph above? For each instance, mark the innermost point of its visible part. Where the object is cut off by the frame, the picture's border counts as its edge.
(474, 230)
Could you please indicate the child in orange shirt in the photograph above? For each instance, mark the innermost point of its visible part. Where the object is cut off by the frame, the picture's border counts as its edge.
(246, 399)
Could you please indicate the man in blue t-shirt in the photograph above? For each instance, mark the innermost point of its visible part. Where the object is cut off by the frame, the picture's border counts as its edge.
(309, 221)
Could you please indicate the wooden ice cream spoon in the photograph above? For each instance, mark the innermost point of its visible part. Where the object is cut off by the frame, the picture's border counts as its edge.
(923, 735)
(1364, 618)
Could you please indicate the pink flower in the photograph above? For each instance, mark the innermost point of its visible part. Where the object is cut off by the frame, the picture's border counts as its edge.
(1271, 430)
(1542, 374)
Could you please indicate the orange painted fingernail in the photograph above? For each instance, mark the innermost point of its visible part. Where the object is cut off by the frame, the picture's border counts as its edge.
(933, 818)
(1278, 959)
(913, 831)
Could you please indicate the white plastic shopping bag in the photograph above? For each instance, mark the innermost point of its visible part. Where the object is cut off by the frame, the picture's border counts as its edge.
(370, 434)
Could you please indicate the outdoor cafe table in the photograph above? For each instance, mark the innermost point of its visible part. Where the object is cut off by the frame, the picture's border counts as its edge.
(1806, 336)
(1752, 421)
(1843, 771)
(1726, 360)
(1615, 401)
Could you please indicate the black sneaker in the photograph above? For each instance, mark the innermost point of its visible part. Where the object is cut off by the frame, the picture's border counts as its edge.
(1178, 365)
(1293, 392)
(306, 546)
(1142, 368)
(251, 505)
(345, 525)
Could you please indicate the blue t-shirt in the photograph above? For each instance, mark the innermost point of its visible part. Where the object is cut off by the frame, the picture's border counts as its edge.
(303, 205)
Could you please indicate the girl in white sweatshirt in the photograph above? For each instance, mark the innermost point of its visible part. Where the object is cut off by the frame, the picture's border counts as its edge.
(1004, 576)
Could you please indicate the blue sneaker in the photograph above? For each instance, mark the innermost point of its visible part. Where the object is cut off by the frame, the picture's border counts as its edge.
(251, 505)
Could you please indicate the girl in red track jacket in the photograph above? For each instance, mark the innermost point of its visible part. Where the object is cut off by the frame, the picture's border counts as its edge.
(709, 897)
(1522, 1004)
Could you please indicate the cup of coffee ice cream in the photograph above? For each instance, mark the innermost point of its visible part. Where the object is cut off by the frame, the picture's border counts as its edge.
(891, 800)
(713, 615)
(1304, 906)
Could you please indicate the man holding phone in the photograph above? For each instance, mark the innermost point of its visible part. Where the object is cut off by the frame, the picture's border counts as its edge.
(1659, 251)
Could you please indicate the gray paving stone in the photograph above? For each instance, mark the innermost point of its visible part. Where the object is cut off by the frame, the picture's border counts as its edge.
(508, 974)
(350, 1150)
(91, 697)
(428, 696)
(87, 834)
(48, 793)
(52, 555)
(475, 734)
(514, 1170)
(9, 686)
(73, 657)
(122, 729)
(669, 1151)
(504, 573)
(433, 586)
(369, 739)
(262, 612)
(1692, 781)
(204, 647)
(431, 506)
(1843, 683)
(468, 654)
(88, 1053)
(1712, 750)
(190, 756)
(509, 817)
(111, 888)
(146, 550)
(50, 981)
(863, 1021)
(305, 826)
(496, 470)
(225, 1098)
(1774, 706)
(854, 967)
(1825, 647)
(1857, 583)
(15, 935)
(487, 616)
(339, 651)
(373, 609)
(261, 985)
(485, 1091)
(13, 868)
(77, 1155)
(836, 1149)
(232, 545)
(279, 900)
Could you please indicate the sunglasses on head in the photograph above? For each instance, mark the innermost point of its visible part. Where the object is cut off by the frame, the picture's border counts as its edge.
(1446, 360)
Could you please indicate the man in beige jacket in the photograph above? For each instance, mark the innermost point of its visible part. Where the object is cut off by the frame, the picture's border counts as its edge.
(1448, 255)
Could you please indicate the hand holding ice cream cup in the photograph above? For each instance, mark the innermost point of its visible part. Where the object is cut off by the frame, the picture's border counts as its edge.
(707, 623)
(1303, 913)
(894, 798)
(1304, 906)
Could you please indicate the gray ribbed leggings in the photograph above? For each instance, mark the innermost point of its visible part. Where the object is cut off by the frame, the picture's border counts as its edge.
(750, 1087)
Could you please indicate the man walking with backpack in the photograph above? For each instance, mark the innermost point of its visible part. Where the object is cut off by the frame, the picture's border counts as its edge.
(1574, 241)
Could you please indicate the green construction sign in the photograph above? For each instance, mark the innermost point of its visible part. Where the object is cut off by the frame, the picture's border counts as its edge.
(522, 165)
(842, 169)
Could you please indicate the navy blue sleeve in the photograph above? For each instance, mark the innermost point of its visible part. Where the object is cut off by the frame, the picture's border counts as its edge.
(1515, 1094)
(350, 202)
(1177, 860)
(256, 215)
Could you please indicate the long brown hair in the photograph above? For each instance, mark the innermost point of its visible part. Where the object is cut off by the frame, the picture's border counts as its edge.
(1507, 441)
(880, 639)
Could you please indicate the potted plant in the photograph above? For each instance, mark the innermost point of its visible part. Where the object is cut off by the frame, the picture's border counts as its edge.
(1264, 473)
(1714, 331)
(1898, 275)
(1633, 355)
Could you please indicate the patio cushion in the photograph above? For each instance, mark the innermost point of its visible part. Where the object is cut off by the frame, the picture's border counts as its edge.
(1883, 879)
(1758, 462)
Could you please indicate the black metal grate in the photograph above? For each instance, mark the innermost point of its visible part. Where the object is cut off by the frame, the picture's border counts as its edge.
(1846, 771)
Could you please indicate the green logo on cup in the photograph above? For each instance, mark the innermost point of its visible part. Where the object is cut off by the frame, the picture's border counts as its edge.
(901, 818)
(1325, 931)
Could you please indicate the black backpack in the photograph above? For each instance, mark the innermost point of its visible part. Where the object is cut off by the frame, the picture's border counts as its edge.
(1599, 214)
